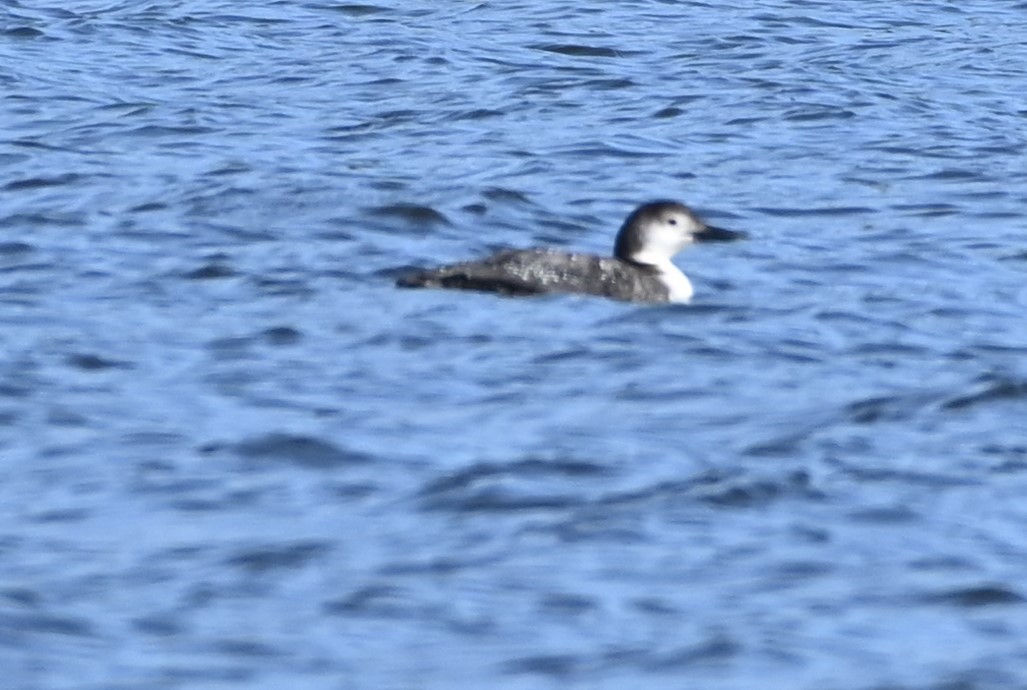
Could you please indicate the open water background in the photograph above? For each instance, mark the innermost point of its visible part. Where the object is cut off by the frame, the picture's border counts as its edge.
(233, 455)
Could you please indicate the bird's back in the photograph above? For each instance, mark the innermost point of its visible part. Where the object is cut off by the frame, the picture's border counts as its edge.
(539, 271)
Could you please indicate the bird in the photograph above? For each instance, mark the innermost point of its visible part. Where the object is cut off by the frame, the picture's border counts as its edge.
(640, 269)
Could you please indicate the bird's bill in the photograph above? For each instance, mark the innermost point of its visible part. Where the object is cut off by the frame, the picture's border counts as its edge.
(715, 234)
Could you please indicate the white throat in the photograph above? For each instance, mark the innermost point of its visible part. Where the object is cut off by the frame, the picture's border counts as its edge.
(679, 287)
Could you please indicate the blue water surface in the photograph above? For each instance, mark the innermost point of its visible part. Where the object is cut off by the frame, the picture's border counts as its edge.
(234, 455)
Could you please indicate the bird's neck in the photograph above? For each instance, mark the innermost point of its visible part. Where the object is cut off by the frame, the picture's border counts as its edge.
(679, 287)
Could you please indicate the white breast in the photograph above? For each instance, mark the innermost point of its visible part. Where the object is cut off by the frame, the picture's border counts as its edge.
(679, 287)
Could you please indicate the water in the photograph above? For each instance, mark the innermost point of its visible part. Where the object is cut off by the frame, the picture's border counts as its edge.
(232, 454)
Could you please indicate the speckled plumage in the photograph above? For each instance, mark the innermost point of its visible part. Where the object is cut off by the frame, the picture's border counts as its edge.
(639, 271)
(540, 271)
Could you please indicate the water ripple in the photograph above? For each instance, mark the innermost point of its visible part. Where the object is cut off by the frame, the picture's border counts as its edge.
(216, 409)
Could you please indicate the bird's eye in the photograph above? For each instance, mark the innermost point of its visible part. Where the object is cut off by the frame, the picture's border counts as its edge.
(673, 221)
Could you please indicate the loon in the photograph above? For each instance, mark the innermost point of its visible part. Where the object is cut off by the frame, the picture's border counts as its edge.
(640, 269)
